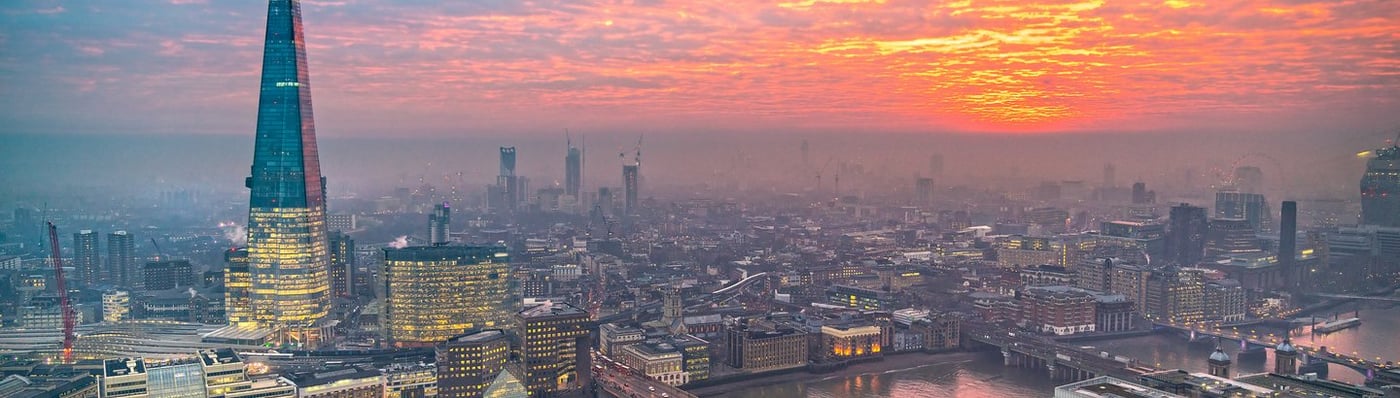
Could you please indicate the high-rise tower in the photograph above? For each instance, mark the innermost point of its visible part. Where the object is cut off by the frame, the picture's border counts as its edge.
(1380, 189)
(631, 174)
(1186, 241)
(573, 171)
(506, 181)
(121, 259)
(287, 248)
(439, 225)
(1288, 244)
(85, 260)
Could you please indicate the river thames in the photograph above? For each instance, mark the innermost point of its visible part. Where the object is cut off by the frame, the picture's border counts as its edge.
(985, 376)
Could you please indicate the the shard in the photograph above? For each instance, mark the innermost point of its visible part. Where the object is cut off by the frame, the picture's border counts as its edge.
(287, 246)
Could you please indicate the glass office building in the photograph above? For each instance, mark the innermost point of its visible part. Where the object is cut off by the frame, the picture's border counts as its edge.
(436, 292)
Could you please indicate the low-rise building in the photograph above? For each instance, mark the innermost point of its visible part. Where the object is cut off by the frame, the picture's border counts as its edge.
(660, 361)
(759, 346)
(1058, 310)
(340, 383)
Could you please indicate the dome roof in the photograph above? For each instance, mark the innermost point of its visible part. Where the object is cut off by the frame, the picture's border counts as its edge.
(1285, 346)
(1219, 355)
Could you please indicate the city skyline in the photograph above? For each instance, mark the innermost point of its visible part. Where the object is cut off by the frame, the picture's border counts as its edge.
(862, 66)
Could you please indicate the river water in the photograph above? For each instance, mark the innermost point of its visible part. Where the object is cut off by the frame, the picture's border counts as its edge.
(986, 377)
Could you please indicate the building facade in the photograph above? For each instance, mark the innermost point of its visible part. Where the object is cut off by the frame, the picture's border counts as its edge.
(467, 364)
(287, 246)
(554, 348)
(433, 293)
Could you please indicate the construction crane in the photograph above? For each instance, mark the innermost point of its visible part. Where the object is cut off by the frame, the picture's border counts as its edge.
(159, 255)
(63, 304)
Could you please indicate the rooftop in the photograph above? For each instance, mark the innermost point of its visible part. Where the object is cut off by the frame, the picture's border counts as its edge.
(549, 309)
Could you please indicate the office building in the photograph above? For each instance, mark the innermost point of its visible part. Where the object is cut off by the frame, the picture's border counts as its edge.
(1224, 301)
(342, 268)
(176, 380)
(339, 383)
(87, 266)
(852, 340)
(1231, 236)
(238, 283)
(573, 171)
(1186, 236)
(612, 337)
(168, 274)
(435, 292)
(1142, 196)
(1176, 295)
(1288, 246)
(659, 361)
(554, 348)
(861, 298)
(757, 345)
(1249, 206)
(123, 377)
(467, 364)
(121, 259)
(410, 380)
(287, 248)
(631, 186)
(342, 222)
(439, 225)
(116, 306)
(1380, 189)
(507, 184)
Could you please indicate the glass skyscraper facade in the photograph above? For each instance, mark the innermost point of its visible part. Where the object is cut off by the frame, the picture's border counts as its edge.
(437, 292)
(287, 243)
(1380, 189)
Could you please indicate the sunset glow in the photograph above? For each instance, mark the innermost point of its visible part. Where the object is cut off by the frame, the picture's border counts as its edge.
(885, 65)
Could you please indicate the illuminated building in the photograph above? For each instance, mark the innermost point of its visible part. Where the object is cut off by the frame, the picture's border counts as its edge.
(238, 282)
(287, 248)
(340, 383)
(121, 259)
(342, 269)
(435, 292)
(175, 380)
(554, 348)
(1176, 295)
(403, 380)
(85, 260)
(860, 298)
(467, 364)
(123, 377)
(850, 341)
(696, 353)
(1380, 189)
(116, 306)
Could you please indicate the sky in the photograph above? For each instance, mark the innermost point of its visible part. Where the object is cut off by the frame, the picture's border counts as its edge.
(404, 68)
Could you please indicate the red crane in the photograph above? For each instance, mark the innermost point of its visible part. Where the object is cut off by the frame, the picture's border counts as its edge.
(63, 304)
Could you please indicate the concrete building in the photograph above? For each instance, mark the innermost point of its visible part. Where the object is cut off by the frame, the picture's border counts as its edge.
(168, 274)
(659, 361)
(554, 348)
(467, 364)
(755, 345)
(123, 377)
(410, 380)
(613, 337)
(339, 383)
